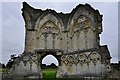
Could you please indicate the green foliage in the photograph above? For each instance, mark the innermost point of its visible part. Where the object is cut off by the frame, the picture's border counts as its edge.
(2, 70)
(9, 64)
(49, 73)
(52, 65)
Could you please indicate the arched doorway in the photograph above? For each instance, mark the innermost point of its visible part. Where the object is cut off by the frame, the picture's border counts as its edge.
(51, 55)
(49, 66)
(49, 59)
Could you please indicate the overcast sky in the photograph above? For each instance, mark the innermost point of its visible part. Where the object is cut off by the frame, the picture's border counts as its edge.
(13, 29)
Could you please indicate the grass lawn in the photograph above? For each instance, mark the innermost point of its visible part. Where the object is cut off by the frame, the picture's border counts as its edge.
(2, 70)
(49, 73)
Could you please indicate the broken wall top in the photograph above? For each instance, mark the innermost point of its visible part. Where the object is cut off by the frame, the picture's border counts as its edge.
(31, 16)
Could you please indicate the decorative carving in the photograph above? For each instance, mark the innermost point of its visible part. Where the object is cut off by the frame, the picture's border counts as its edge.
(68, 59)
(50, 31)
(49, 28)
(94, 57)
(26, 58)
(81, 19)
(108, 68)
(71, 59)
(82, 58)
(34, 57)
(64, 59)
(70, 37)
(83, 23)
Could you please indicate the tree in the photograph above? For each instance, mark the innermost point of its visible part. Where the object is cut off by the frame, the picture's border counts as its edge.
(9, 64)
(11, 61)
(13, 57)
(53, 65)
(0, 65)
(43, 66)
(3, 66)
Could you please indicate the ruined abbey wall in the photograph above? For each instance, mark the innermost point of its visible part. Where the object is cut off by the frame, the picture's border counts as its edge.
(73, 38)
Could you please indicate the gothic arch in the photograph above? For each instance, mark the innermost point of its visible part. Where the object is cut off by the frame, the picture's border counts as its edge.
(74, 47)
(84, 29)
(85, 10)
(53, 54)
(81, 23)
(82, 58)
(50, 34)
(45, 21)
(45, 27)
(68, 59)
(94, 57)
(46, 16)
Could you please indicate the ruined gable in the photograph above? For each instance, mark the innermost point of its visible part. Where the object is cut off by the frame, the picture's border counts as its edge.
(73, 38)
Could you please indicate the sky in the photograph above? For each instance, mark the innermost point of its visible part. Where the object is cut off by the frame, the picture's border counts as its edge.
(13, 29)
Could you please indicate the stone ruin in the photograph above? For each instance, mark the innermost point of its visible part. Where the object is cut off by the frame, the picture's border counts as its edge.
(73, 38)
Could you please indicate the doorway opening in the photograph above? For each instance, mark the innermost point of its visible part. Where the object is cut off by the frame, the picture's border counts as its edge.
(49, 66)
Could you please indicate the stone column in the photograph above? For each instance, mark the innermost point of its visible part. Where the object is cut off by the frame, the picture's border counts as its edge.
(54, 37)
(64, 46)
(49, 41)
(91, 42)
(74, 42)
(45, 35)
(81, 40)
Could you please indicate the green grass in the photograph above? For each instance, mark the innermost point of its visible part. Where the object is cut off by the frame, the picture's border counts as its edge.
(49, 73)
(2, 70)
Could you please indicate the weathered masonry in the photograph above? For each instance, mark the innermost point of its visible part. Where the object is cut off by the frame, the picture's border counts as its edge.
(73, 38)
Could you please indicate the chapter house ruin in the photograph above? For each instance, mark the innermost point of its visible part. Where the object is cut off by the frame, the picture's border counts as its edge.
(73, 38)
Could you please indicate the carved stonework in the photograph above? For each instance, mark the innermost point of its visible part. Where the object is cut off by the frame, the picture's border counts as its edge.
(71, 60)
(73, 38)
(95, 57)
(108, 68)
(84, 23)
(64, 59)
(49, 29)
(82, 59)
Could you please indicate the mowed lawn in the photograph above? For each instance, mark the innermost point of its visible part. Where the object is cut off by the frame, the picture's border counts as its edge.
(2, 70)
(49, 73)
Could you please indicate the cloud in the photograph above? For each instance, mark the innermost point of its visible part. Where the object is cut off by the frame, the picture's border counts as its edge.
(12, 30)
(109, 36)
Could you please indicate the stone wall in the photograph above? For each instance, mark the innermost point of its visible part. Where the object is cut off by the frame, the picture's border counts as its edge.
(77, 30)
(73, 38)
(83, 64)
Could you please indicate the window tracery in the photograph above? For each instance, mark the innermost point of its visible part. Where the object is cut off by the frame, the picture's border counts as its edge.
(82, 58)
(83, 27)
(50, 31)
(71, 60)
(83, 23)
(95, 57)
(64, 59)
